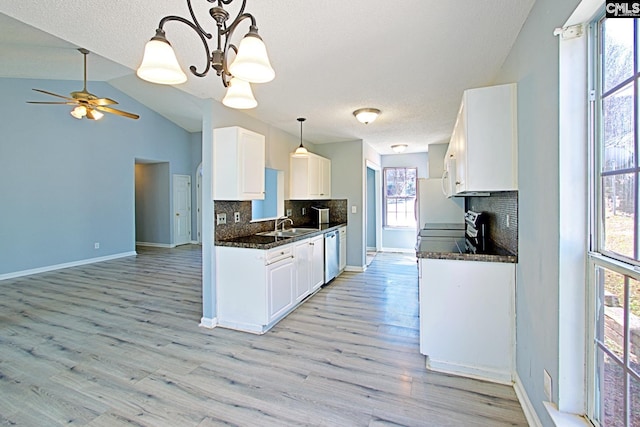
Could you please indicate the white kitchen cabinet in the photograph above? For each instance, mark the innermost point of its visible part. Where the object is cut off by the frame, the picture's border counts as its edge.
(317, 261)
(238, 164)
(302, 260)
(342, 231)
(280, 288)
(309, 177)
(484, 141)
(467, 317)
(256, 288)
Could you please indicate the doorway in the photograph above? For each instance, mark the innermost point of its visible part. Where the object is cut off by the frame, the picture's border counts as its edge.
(373, 215)
(181, 209)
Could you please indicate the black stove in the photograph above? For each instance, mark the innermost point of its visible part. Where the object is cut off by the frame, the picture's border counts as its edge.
(475, 232)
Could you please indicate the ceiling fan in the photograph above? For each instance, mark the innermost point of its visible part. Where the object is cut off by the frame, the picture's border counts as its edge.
(86, 104)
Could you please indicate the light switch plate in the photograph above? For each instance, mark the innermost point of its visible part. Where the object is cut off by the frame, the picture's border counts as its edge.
(354, 209)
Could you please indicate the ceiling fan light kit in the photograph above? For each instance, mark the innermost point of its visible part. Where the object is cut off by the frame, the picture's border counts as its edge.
(86, 104)
(251, 63)
(366, 115)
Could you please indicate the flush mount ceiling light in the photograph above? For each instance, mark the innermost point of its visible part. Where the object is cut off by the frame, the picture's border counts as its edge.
(251, 63)
(399, 148)
(366, 115)
(301, 151)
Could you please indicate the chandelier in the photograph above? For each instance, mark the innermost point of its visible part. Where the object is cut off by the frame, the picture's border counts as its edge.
(250, 65)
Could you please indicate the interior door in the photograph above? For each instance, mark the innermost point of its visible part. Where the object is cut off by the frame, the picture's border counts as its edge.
(181, 209)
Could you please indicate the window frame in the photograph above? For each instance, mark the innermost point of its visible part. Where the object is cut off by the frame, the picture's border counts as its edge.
(385, 198)
(599, 257)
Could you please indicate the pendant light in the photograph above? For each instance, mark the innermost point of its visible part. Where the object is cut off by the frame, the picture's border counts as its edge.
(301, 151)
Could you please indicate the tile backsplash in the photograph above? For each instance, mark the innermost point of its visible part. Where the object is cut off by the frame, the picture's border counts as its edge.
(337, 213)
(498, 207)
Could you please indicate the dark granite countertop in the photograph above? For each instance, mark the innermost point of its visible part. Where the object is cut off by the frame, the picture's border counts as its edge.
(257, 241)
(453, 249)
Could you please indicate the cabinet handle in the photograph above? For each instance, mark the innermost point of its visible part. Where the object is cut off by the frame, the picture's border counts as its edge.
(311, 244)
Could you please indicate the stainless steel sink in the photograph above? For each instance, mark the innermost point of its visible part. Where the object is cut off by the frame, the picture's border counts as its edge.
(289, 232)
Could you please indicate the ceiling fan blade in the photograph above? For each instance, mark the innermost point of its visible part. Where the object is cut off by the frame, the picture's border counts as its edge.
(102, 101)
(54, 94)
(52, 102)
(118, 112)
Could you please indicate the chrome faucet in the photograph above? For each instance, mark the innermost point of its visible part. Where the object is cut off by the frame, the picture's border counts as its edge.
(281, 221)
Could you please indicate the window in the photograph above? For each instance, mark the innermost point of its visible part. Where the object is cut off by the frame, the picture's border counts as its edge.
(614, 260)
(400, 197)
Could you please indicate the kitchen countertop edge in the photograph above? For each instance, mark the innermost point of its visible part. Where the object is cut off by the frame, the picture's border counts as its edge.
(468, 257)
(246, 241)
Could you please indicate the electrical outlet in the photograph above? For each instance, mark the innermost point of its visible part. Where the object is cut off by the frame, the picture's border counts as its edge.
(96, 245)
(236, 216)
(548, 386)
(221, 218)
(289, 212)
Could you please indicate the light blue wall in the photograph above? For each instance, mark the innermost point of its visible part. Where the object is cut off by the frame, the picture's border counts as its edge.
(533, 64)
(65, 183)
(348, 182)
(403, 238)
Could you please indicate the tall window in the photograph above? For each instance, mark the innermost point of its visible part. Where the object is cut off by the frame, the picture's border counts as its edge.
(400, 197)
(615, 248)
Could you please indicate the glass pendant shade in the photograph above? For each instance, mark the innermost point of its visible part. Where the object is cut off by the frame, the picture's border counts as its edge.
(160, 65)
(300, 152)
(79, 112)
(252, 63)
(239, 95)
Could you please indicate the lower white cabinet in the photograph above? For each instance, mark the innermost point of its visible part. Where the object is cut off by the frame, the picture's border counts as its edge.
(302, 257)
(317, 261)
(467, 317)
(256, 288)
(342, 231)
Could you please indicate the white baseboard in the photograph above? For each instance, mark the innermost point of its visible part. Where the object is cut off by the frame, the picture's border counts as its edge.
(209, 323)
(64, 265)
(480, 373)
(355, 268)
(156, 245)
(528, 409)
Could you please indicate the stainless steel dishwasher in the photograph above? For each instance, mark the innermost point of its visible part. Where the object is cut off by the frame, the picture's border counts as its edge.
(331, 255)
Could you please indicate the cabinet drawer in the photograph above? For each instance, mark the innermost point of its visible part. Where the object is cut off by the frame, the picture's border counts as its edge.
(277, 254)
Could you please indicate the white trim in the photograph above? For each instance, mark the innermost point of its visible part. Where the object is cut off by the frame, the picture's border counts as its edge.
(208, 323)
(481, 373)
(527, 407)
(355, 269)
(156, 245)
(563, 419)
(64, 265)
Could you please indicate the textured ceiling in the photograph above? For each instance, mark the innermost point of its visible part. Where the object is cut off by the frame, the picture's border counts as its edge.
(412, 59)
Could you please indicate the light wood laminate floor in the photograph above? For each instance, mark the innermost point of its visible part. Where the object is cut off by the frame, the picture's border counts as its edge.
(118, 343)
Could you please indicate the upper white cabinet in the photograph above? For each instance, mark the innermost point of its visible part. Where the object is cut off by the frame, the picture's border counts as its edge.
(309, 177)
(238, 164)
(484, 142)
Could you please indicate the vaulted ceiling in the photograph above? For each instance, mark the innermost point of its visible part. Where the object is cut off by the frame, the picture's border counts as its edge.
(410, 58)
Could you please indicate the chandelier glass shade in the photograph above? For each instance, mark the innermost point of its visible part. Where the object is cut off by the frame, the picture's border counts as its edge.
(251, 63)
